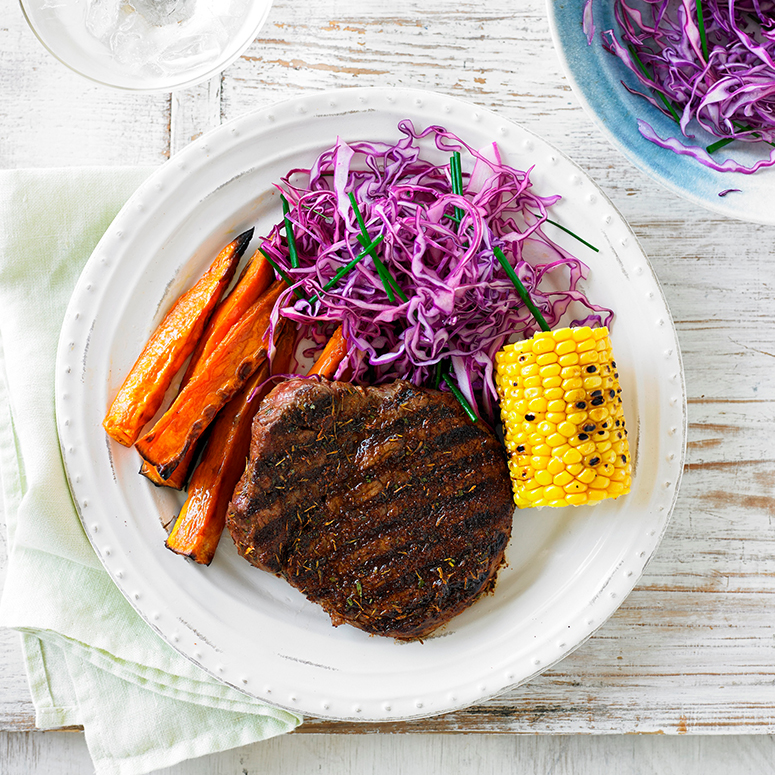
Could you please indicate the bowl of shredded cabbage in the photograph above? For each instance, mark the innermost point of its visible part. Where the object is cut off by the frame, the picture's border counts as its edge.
(684, 88)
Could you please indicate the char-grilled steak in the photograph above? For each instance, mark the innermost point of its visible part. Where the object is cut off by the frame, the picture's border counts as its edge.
(385, 505)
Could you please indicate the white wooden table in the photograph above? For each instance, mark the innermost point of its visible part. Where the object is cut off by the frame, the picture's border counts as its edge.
(692, 650)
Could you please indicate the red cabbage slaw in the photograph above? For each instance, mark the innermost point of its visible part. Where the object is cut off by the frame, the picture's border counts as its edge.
(706, 63)
(461, 305)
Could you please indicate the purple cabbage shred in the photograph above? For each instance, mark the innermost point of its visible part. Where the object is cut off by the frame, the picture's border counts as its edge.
(713, 61)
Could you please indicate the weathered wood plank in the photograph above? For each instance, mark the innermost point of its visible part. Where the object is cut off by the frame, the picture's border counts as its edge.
(52, 117)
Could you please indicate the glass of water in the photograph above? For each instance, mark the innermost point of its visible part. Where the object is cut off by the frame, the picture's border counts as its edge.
(146, 45)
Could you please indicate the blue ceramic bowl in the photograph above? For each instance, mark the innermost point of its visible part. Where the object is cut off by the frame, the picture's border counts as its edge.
(596, 78)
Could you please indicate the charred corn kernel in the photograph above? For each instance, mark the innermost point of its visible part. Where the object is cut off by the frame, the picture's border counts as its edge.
(563, 418)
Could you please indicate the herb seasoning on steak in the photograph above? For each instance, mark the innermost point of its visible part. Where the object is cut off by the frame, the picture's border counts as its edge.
(385, 505)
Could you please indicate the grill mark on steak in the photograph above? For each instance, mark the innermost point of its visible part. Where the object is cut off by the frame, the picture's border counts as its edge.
(384, 505)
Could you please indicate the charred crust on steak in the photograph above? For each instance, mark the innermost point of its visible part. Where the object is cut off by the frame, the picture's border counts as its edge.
(385, 505)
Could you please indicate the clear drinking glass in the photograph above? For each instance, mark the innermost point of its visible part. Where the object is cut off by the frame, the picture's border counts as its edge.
(146, 45)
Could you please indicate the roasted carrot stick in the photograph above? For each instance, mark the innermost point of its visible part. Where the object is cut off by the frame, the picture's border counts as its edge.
(142, 393)
(200, 523)
(231, 364)
(254, 280)
(328, 361)
(256, 277)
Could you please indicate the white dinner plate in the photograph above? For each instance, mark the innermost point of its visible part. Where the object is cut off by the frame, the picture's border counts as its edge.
(568, 569)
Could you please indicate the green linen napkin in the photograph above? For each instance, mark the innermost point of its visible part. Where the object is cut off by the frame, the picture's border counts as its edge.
(90, 659)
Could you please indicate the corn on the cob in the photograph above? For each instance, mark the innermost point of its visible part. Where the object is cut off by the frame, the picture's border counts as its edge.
(563, 420)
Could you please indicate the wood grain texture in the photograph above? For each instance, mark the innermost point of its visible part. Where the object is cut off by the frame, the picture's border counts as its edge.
(58, 753)
(692, 650)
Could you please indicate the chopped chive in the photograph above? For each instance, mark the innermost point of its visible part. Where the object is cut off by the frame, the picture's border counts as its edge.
(460, 397)
(701, 27)
(293, 253)
(437, 375)
(358, 216)
(713, 147)
(521, 290)
(390, 279)
(345, 269)
(283, 276)
(390, 282)
(665, 100)
(727, 140)
(575, 236)
(456, 179)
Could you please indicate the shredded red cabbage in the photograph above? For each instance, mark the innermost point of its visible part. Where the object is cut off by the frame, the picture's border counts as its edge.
(712, 61)
(461, 305)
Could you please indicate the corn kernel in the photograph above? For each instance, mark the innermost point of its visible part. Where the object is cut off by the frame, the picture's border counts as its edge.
(531, 370)
(537, 404)
(554, 393)
(542, 344)
(575, 468)
(551, 382)
(532, 383)
(553, 493)
(552, 370)
(567, 429)
(543, 477)
(586, 476)
(545, 358)
(589, 357)
(555, 466)
(577, 498)
(577, 417)
(572, 457)
(546, 428)
(555, 440)
(581, 333)
(562, 478)
(539, 462)
(556, 406)
(568, 360)
(600, 483)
